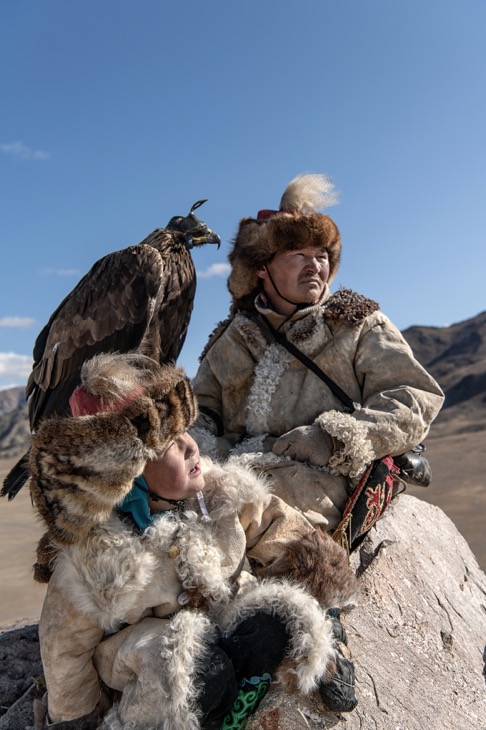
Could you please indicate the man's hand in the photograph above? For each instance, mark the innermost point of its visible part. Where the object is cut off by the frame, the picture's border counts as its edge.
(305, 443)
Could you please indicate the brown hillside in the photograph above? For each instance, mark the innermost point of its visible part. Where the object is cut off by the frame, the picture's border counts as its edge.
(456, 357)
(14, 432)
(11, 398)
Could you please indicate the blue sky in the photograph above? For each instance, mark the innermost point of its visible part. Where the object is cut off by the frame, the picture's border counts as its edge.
(117, 115)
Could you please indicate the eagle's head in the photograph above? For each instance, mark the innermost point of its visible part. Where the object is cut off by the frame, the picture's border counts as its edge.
(195, 232)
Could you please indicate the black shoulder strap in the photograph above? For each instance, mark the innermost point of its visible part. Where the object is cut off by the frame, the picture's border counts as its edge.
(280, 337)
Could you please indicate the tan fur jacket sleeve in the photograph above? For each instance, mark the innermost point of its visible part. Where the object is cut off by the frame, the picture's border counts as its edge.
(68, 639)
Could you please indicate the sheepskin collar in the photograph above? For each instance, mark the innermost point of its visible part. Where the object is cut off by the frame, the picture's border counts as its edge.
(345, 306)
(348, 306)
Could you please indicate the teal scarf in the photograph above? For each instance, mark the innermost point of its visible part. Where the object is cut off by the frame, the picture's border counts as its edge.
(136, 504)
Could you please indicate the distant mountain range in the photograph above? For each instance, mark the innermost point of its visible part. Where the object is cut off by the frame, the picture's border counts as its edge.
(14, 423)
(10, 399)
(455, 356)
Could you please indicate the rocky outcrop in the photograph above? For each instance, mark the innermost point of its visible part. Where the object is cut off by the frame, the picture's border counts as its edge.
(418, 637)
(11, 398)
(14, 432)
(20, 668)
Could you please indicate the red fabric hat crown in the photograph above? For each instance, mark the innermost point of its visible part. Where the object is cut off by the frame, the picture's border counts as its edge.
(264, 215)
(83, 403)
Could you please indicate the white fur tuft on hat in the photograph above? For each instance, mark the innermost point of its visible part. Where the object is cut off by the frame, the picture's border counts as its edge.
(308, 193)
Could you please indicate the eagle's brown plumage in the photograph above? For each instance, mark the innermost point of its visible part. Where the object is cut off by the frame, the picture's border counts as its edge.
(137, 299)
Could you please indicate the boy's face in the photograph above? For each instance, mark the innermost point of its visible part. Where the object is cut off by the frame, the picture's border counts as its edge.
(177, 473)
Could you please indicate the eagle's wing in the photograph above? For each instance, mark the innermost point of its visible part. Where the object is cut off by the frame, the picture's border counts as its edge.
(108, 311)
(173, 309)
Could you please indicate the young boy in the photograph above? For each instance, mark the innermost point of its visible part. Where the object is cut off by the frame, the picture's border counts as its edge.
(178, 588)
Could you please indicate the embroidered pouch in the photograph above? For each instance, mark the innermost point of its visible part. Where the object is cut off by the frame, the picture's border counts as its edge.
(367, 503)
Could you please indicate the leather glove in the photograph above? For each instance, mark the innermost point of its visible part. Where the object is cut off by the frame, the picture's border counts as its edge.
(305, 443)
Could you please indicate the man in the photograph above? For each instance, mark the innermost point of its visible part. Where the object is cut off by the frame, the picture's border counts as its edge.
(259, 400)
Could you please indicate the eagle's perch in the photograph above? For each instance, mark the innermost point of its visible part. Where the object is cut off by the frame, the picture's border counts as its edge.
(137, 299)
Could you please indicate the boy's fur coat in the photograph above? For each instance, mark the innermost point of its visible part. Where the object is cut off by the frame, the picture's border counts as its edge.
(113, 605)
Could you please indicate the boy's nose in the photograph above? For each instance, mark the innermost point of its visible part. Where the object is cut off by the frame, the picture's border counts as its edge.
(190, 445)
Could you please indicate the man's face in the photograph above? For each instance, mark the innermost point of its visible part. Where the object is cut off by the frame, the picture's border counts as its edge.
(298, 276)
(177, 473)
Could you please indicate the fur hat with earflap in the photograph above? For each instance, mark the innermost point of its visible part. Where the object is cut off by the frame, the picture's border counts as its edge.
(295, 225)
(126, 383)
(126, 411)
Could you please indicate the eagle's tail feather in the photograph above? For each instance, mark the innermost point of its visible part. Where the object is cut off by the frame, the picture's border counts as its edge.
(16, 478)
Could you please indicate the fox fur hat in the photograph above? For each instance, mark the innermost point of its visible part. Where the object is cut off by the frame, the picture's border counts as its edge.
(126, 411)
(111, 383)
(296, 225)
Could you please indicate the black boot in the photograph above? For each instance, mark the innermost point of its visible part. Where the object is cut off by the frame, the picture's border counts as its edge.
(218, 688)
(249, 696)
(256, 646)
(338, 690)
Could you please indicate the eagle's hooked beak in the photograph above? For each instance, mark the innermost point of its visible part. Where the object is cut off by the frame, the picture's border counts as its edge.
(200, 238)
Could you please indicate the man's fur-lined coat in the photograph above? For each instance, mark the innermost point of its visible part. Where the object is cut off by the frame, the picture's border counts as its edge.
(139, 610)
(251, 388)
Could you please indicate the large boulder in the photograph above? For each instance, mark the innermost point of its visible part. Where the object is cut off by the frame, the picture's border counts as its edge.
(418, 637)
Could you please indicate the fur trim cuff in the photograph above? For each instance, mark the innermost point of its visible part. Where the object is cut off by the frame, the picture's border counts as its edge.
(311, 648)
(162, 695)
(322, 566)
(354, 449)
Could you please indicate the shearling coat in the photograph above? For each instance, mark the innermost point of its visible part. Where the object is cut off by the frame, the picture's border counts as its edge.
(123, 607)
(249, 389)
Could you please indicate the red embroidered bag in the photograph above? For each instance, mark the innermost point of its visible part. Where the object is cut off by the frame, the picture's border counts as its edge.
(367, 503)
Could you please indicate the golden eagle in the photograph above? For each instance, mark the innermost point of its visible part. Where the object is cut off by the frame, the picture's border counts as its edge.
(137, 299)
